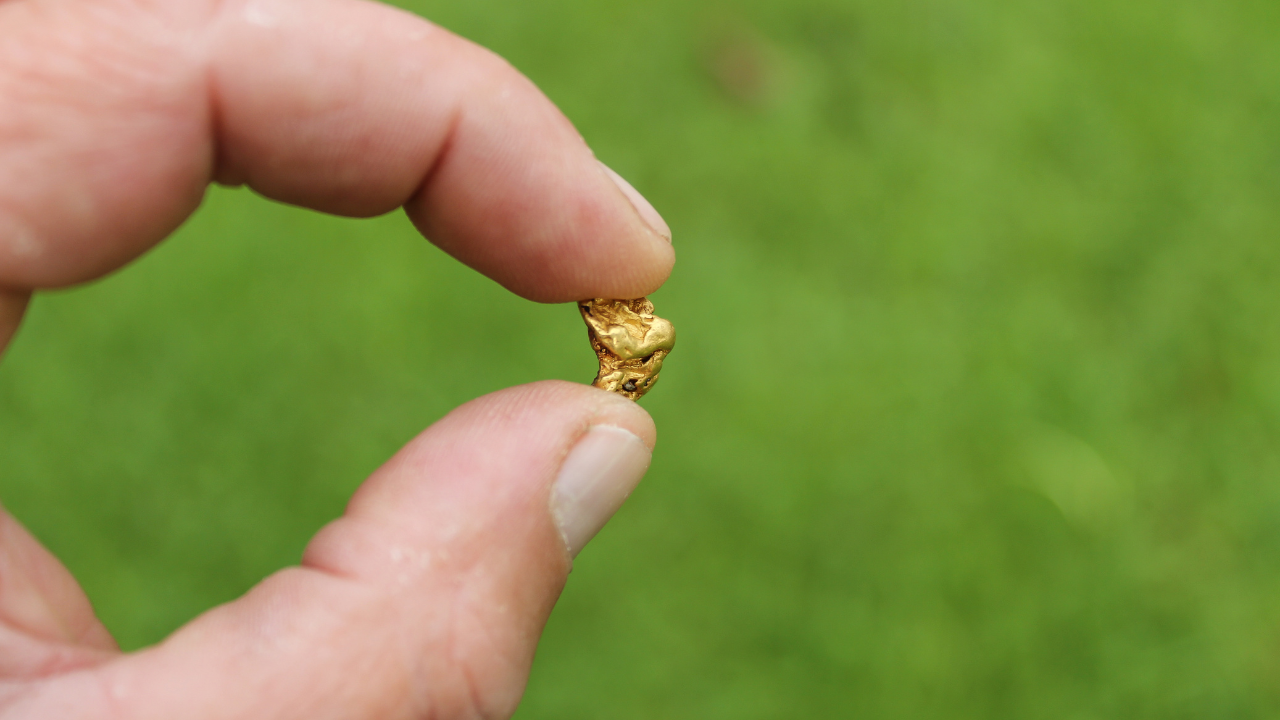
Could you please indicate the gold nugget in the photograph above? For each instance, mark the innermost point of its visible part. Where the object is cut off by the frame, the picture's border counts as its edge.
(630, 341)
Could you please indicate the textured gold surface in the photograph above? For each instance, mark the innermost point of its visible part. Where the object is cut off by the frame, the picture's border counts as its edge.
(630, 342)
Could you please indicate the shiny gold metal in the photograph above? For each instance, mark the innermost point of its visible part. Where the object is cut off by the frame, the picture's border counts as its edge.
(630, 342)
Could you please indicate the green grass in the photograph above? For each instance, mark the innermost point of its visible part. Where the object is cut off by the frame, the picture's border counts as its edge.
(1012, 449)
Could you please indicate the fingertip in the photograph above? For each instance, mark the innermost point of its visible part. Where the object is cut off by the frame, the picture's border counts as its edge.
(490, 464)
(643, 207)
(575, 406)
(517, 195)
(598, 475)
(617, 411)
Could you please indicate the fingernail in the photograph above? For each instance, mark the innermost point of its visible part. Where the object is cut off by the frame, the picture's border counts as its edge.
(642, 206)
(600, 472)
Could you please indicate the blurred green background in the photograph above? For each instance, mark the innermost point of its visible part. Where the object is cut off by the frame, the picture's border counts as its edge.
(1012, 449)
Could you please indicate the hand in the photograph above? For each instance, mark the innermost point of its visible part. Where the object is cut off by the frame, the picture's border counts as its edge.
(427, 597)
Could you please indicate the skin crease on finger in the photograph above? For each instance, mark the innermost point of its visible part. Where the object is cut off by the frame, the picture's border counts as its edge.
(119, 112)
(47, 625)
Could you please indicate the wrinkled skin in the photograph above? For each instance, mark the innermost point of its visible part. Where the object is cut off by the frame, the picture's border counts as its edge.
(426, 598)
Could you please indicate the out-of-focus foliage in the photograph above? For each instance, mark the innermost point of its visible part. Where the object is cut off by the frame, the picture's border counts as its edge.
(1012, 452)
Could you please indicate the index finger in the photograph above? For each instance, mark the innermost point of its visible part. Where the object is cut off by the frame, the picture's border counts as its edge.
(119, 113)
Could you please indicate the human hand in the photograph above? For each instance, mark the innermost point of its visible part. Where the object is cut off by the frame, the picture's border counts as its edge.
(427, 597)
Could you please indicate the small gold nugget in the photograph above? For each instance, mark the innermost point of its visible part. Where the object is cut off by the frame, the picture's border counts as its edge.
(630, 342)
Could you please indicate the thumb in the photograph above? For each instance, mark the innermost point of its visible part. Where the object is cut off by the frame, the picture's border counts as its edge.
(426, 599)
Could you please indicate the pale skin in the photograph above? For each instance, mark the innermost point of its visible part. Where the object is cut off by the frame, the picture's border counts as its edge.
(427, 597)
